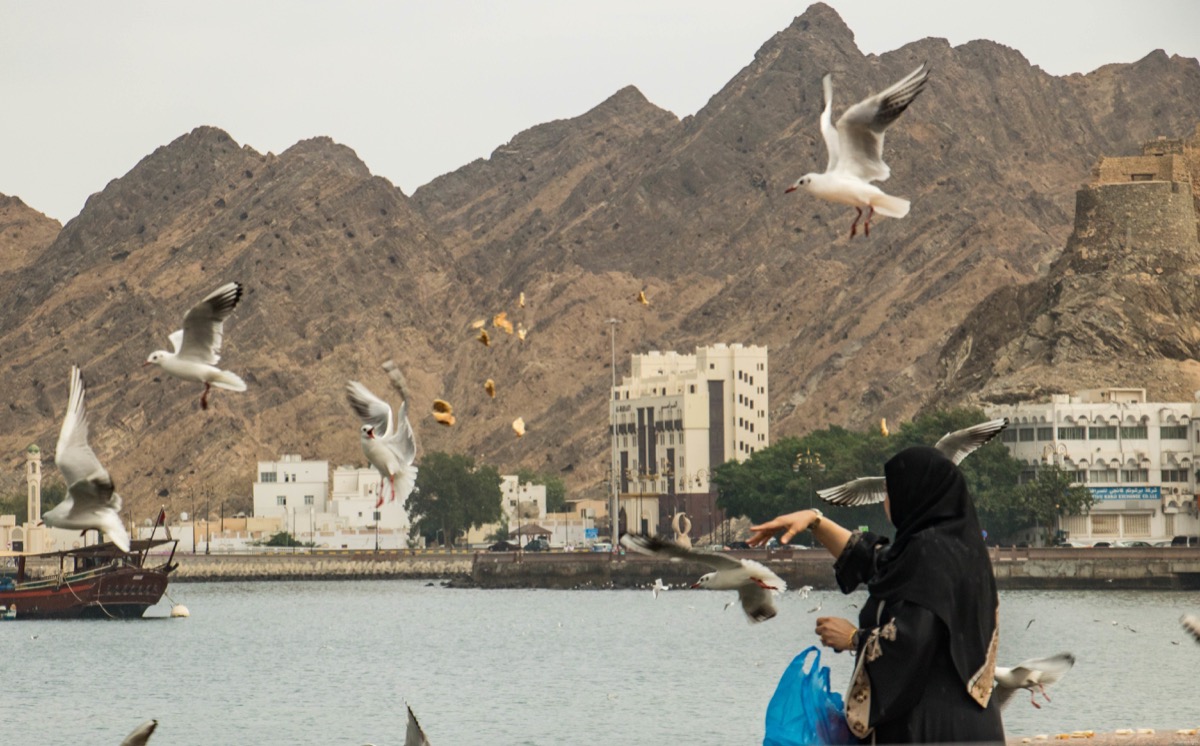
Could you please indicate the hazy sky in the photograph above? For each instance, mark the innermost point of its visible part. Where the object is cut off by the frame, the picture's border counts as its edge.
(417, 89)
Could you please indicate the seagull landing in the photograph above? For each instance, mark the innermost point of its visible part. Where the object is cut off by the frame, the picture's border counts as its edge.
(955, 446)
(658, 586)
(855, 148)
(198, 344)
(755, 584)
(1034, 675)
(387, 442)
(91, 502)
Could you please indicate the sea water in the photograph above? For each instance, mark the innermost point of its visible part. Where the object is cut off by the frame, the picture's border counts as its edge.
(335, 663)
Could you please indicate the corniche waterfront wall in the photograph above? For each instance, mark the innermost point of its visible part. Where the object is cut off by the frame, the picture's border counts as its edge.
(1163, 568)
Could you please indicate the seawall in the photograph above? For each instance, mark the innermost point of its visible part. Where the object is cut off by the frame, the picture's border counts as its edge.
(1165, 568)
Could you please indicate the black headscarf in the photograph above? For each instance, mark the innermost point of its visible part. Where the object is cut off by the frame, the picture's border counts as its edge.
(939, 560)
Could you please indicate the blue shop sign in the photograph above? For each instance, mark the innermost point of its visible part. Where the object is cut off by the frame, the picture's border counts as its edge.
(1126, 493)
(590, 533)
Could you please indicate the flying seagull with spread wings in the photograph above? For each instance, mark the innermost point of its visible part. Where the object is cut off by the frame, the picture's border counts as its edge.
(1034, 675)
(198, 344)
(387, 442)
(755, 584)
(91, 502)
(855, 148)
(956, 446)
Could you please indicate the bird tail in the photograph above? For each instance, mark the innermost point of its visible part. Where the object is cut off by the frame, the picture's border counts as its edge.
(228, 381)
(406, 480)
(889, 206)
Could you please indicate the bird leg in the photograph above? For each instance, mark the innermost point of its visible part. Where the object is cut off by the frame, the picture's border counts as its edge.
(854, 225)
(204, 397)
(393, 482)
(867, 225)
(379, 499)
(1032, 701)
(1042, 689)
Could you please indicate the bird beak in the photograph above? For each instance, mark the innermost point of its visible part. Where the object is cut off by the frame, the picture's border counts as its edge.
(695, 585)
(790, 189)
(145, 363)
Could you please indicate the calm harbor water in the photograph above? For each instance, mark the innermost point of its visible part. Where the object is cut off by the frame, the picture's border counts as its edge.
(334, 662)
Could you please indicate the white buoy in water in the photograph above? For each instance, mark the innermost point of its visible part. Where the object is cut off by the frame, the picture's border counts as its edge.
(179, 610)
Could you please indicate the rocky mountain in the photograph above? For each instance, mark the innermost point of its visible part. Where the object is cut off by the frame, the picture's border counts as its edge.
(343, 270)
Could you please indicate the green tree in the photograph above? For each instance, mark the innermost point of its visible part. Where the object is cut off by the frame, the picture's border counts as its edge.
(285, 539)
(453, 495)
(556, 489)
(54, 491)
(1040, 501)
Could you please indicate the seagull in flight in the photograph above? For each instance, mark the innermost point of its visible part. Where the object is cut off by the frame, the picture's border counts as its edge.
(91, 502)
(659, 586)
(387, 442)
(198, 344)
(955, 446)
(1191, 624)
(141, 734)
(1034, 675)
(755, 584)
(855, 149)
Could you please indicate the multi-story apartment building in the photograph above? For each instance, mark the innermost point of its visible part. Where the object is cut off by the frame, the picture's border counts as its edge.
(291, 486)
(673, 420)
(1137, 458)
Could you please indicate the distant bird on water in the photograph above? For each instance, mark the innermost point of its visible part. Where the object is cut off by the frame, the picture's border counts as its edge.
(855, 149)
(387, 442)
(1034, 675)
(955, 446)
(755, 584)
(198, 344)
(91, 502)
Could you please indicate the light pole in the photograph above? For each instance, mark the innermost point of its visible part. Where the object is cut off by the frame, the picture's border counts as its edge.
(614, 520)
(810, 463)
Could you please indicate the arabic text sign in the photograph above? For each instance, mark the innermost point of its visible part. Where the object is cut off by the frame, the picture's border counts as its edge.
(1126, 493)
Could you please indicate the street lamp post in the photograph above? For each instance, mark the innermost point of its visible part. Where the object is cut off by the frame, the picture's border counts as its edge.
(810, 463)
(614, 520)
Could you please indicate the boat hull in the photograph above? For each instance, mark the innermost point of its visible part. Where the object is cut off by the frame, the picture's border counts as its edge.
(113, 593)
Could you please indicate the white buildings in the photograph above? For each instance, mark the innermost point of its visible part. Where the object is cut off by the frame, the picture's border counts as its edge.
(291, 486)
(355, 492)
(674, 419)
(1137, 457)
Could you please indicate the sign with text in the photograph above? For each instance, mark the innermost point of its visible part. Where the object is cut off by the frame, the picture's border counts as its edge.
(1126, 493)
(590, 533)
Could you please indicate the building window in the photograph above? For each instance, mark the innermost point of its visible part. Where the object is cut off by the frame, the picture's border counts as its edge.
(1102, 475)
(1173, 432)
(1008, 436)
(1132, 476)
(1028, 474)
(281, 500)
(1141, 177)
(1045, 433)
(1025, 434)
(267, 476)
(1104, 432)
(1136, 525)
(308, 499)
(1079, 476)
(1175, 475)
(691, 388)
(1138, 432)
(1105, 524)
(1071, 433)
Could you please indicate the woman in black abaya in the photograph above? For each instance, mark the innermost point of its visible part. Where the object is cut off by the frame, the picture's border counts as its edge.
(926, 638)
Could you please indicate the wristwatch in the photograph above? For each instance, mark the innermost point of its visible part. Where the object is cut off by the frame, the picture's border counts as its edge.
(817, 522)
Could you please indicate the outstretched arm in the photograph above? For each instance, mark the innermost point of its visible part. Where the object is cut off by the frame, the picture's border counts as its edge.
(832, 536)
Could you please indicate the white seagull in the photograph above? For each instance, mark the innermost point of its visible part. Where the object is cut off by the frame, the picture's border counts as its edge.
(956, 446)
(387, 442)
(855, 148)
(198, 344)
(91, 502)
(755, 584)
(141, 734)
(1034, 675)
(658, 586)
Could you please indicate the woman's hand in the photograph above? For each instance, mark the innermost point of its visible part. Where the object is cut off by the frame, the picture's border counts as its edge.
(794, 523)
(836, 633)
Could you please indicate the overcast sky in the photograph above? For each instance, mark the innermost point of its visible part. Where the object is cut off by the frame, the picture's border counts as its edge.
(87, 89)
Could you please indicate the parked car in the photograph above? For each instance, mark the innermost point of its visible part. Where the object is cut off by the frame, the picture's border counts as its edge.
(735, 546)
(504, 546)
(537, 545)
(1131, 543)
(1185, 541)
(1102, 544)
(602, 546)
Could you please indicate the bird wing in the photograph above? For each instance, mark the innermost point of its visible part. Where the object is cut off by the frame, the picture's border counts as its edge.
(87, 480)
(413, 735)
(861, 491)
(828, 131)
(661, 547)
(1044, 670)
(203, 326)
(757, 602)
(141, 734)
(403, 440)
(861, 127)
(371, 409)
(962, 443)
(1191, 623)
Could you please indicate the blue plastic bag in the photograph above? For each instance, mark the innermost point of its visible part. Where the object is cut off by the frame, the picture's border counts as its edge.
(803, 710)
